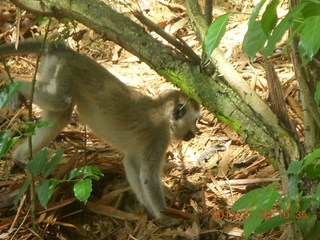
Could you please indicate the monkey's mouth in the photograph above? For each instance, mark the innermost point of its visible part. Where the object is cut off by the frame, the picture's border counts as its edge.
(189, 136)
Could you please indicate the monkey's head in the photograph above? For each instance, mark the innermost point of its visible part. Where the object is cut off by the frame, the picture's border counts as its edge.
(185, 114)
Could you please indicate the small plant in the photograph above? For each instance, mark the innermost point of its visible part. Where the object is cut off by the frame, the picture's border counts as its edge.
(41, 166)
(269, 210)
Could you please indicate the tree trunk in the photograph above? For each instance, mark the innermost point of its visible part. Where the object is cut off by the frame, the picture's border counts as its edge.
(242, 110)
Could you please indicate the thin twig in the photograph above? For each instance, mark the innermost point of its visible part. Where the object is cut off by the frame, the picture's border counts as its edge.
(18, 212)
(185, 49)
(7, 70)
(20, 226)
(31, 177)
(208, 11)
(246, 181)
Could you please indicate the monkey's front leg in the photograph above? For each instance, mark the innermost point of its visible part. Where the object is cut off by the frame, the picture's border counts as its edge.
(150, 177)
(132, 168)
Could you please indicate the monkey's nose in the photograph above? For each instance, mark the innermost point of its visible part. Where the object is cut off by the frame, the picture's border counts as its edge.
(189, 136)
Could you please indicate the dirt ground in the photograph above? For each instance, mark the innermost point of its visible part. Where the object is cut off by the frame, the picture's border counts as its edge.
(202, 178)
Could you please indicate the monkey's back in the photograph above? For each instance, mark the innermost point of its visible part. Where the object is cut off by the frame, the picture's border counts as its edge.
(114, 111)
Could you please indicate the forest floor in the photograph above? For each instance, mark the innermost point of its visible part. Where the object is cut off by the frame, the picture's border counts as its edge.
(202, 177)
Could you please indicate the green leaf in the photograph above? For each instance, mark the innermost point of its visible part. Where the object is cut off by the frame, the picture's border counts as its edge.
(22, 190)
(310, 157)
(272, 223)
(254, 40)
(253, 197)
(313, 170)
(38, 162)
(83, 189)
(317, 94)
(315, 233)
(295, 168)
(248, 200)
(6, 143)
(307, 223)
(258, 200)
(293, 189)
(252, 223)
(213, 36)
(4, 139)
(30, 130)
(309, 43)
(87, 171)
(38, 124)
(282, 27)
(8, 92)
(46, 189)
(305, 202)
(255, 13)
(75, 173)
(44, 192)
(251, 45)
(312, 9)
(270, 17)
(318, 191)
(52, 164)
(92, 172)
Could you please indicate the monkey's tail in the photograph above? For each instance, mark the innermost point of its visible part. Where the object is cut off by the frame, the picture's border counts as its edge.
(25, 47)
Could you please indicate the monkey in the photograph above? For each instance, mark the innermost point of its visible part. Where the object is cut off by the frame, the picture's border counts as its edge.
(139, 126)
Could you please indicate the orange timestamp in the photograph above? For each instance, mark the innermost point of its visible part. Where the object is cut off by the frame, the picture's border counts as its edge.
(242, 215)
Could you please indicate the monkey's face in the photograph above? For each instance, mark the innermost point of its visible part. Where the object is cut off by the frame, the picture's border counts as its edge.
(184, 121)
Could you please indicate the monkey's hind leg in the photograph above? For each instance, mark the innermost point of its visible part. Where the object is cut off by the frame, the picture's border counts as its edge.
(43, 135)
(50, 95)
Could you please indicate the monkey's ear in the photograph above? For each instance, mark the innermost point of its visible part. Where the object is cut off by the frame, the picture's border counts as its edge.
(179, 111)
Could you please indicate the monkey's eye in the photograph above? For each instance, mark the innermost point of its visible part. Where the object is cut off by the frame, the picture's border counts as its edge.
(179, 111)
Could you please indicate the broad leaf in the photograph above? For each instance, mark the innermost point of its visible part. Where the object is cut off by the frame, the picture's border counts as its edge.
(293, 189)
(6, 143)
(255, 13)
(310, 157)
(254, 40)
(22, 190)
(38, 162)
(30, 130)
(312, 9)
(270, 17)
(272, 223)
(263, 206)
(317, 94)
(295, 168)
(213, 36)
(248, 200)
(52, 164)
(92, 172)
(83, 189)
(87, 171)
(45, 190)
(309, 43)
(282, 27)
(8, 92)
